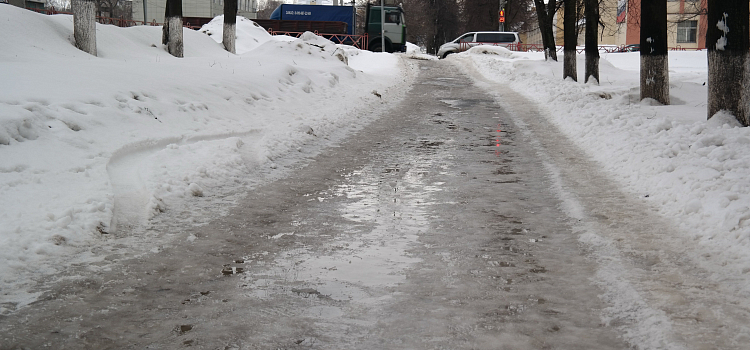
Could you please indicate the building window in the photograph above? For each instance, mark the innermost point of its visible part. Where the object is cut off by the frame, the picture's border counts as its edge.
(38, 5)
(687, 32)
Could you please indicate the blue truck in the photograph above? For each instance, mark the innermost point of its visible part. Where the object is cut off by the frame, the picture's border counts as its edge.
(317, 13)
(326, 19)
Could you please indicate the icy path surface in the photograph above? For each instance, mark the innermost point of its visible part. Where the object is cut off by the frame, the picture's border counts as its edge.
(459, 220)
(658, 297)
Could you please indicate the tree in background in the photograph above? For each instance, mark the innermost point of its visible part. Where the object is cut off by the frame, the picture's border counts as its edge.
(425, 22)
(114, 8)
(58, 5)
(172, 29)
(447, 24)
(230, 25)
(592, 40)
(546, 16)
(265, 8)
(728, 43)
(434, 22)
(570, 38)
(481, 15)
(519, 16)
(419, 27)
(654, 59)
(84, 25)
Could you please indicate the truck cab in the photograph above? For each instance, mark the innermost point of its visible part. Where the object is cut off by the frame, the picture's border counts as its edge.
(394, 28)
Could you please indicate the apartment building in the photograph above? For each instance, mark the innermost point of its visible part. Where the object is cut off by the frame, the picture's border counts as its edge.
(687, 21)
(686, 24)
(30, 4)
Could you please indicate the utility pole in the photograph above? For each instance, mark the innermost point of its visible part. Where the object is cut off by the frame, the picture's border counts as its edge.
(501, 15)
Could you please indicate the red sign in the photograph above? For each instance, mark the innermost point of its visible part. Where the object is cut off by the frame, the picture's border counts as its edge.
(501, 16)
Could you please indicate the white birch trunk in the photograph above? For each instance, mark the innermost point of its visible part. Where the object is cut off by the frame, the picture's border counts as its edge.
(654, 53)
(592, 67)
(592, 41)
(728, 41)
(230, 30)
(175, 46)
(727, 76)
(230, 25)
(84, 25)
(570, 65)
(655, 78)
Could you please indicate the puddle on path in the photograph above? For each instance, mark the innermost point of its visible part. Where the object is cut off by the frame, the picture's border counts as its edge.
(382, 210)
(445, 81)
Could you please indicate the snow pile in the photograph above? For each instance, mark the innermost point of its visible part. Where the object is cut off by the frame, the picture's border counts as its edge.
(492, 50)
(90, 146)
(415, 52)
(697, 172)
(249, 34)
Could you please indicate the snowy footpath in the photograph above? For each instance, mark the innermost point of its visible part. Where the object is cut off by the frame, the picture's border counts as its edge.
(92, 145)
(92, 148)
(693, 172)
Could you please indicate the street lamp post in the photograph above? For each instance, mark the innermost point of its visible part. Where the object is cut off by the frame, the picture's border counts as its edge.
(501, 14)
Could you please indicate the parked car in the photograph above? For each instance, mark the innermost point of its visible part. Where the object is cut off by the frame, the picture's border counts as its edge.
(630, 48)
(471, 39)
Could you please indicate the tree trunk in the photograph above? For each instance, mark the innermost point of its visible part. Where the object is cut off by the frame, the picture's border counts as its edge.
(84, 25)
(571, 41)
(172, 31)
(444, 22)
(654, 59)
(728, 43)
(165, 28)
(545, 17)
(592, 40)
(230, 25)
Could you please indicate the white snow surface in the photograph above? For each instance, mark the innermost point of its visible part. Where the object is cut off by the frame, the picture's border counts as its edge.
(89, 144)
(694, 171)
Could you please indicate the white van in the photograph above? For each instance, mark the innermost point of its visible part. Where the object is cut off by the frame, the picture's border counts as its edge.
(471, 39)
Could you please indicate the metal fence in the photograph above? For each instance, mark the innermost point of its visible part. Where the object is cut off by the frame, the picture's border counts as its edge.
(358, 41)
(540, 48)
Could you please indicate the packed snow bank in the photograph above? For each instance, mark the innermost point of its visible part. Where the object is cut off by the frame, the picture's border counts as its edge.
(249, 35)
(89, 144)
(697, 172)
(492, 50)
(415, 52)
